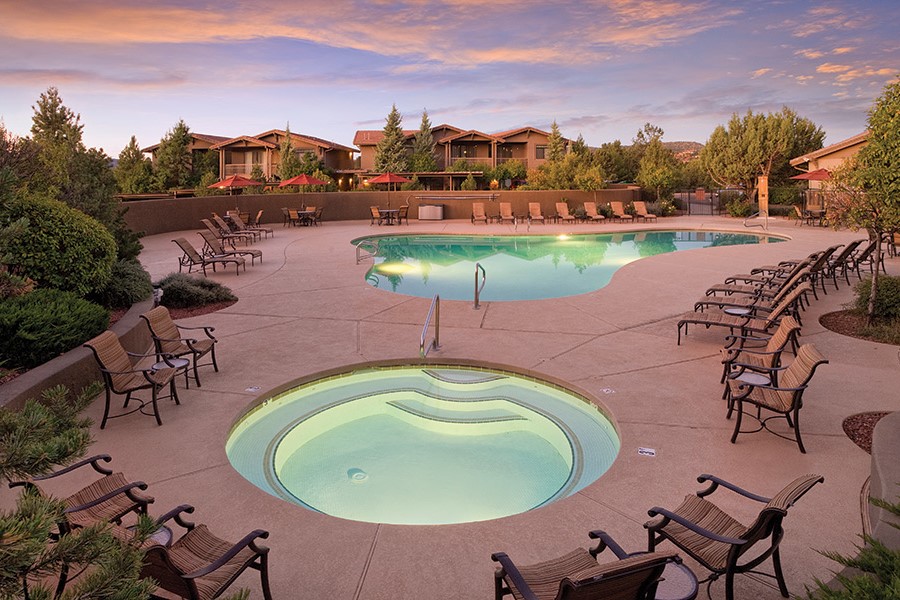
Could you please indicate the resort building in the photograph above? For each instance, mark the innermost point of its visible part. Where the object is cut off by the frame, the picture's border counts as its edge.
(830, 157)
(200, 142)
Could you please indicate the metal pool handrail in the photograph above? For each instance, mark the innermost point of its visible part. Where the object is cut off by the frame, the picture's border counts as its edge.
(483, 281)
(435, 311)
(369, 247)
(763, 214)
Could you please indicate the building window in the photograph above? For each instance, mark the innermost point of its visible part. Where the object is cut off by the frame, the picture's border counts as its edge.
(540, 152)
(463, 151)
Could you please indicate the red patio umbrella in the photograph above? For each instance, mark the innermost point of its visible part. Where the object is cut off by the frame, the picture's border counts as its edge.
(302, 179)
(390, 179)
(817, 175)
(235, 181)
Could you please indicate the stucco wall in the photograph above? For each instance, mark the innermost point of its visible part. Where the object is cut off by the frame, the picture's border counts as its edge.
(160, 216)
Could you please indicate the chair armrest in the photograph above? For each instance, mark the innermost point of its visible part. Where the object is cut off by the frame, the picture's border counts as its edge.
(138, 355)
(206, 329)
(127, 489)
(94, 461)
(717, 481)
(606, 541)
(175, 514)
(247, 541)
(668, 515)
(510, 569)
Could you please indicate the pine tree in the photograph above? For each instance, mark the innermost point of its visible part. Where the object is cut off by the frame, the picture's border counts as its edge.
(134, 171)
(173, 159)
(422, 157)
(390, 152)
(290, 162)
(58, 133)
(556, 145)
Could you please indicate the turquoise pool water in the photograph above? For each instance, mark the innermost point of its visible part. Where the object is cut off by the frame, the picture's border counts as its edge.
(423, 445)
(523, 267)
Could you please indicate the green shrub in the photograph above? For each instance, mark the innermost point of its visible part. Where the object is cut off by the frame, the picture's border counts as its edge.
(129, 284)
(665, 208)
(12, 285)
(788, 195)
(887, 298)
(39, 326)
(738, 208)
(186, 291)
(60, 247)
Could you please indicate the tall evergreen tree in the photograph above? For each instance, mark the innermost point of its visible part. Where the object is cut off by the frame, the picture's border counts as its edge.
(390, 152)
(422, 157)
(58, 133)
(556, 145)
(134, 171)
(658, 169)
(173, 159)
(290, 162)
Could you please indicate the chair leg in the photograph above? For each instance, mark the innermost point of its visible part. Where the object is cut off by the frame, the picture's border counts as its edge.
(797, 430)
(779, 576)
(105, 410)
(264, 576)
(156, 405)
(213, 355)
(174, 391)
(729, 585)
(196, 374)
(737, 421)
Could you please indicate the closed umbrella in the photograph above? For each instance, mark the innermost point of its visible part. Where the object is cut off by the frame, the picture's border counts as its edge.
(390, 179)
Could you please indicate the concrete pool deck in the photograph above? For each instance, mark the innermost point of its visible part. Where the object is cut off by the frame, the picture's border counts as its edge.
(307, 308)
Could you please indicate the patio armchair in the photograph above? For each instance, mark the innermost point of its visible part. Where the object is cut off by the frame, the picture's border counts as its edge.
(590, 211)
(760, 321)
(577, 575)
(123, 376)
(618, 211)
(640, 210)
(214, 247)
(192, 258)
(506, 213)
(478, 213)
(286, 217)
(562, 213)
(718, 541)
(317, 217)
(784, 398)
(168, 340)
(403, 214)
(745, 353)
(200, 565)
(534, 212)
(256, 229)
(376, 215)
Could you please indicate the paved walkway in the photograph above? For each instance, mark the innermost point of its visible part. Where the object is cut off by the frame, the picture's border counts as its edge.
(307, 308)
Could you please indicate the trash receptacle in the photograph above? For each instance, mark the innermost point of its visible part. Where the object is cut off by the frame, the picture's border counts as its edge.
(431, 212)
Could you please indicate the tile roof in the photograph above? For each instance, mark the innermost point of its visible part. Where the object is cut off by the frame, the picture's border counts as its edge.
(851, 141)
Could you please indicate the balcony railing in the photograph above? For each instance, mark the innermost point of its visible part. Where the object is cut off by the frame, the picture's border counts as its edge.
(240, 169)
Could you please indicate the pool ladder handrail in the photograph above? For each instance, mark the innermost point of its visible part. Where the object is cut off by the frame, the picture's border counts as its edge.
(478, 288)
(434, 311)
(764, 215)
(369, 249)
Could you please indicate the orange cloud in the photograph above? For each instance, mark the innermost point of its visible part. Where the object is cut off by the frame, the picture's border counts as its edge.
(760, 72)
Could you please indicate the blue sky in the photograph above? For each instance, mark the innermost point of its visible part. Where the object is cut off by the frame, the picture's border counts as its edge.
(600, 68)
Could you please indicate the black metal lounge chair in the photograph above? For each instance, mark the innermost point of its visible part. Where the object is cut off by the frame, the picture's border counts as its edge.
(191, 258)
(214, 247)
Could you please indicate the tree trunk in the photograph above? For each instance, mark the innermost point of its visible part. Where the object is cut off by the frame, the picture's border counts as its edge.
(876, 257)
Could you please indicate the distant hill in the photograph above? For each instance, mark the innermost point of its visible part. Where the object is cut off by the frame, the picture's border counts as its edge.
(684, 151)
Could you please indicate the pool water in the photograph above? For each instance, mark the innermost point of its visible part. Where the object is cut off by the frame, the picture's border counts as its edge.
(423, 445)
(524, 267)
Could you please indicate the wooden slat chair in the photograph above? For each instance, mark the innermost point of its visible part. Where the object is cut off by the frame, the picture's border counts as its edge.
(214, 247)
(506, 213)
(618, 211)
(260, 231)
(784, 398)
(562, 213)
(765, 297)
(744, 353)
(225, 234)
(578, 576)
(225, 230)
(286, 217)
(317, 218)
(478, 213)
(640, 209)
(590, 210)
(167, 338)
(122, 376)
(200, 565)
(752, 322)
(192, 258)
(840, 264)
(866, 257)
(718, 541)
(377, 217)
(534, 212)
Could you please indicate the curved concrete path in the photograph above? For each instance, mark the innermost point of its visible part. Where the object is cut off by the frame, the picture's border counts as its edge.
(306, 308)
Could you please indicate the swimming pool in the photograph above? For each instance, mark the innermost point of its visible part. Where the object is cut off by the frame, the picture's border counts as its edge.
(423, 444)
(528, 267)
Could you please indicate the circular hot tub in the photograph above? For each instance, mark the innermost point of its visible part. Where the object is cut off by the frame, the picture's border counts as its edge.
(431, 444)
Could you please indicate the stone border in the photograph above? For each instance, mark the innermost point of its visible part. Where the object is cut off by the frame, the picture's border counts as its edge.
(885, 478)
(76, 368)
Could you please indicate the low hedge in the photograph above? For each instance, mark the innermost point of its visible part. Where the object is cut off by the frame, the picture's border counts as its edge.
(887, 298)
(187, 291)
(129, 283)
(45, 323)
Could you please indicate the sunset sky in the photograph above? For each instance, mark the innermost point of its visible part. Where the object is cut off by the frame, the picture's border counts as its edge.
(600, 68)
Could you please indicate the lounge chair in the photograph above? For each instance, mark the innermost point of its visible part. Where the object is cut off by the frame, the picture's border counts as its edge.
(257, 220)
(766, 297)
(751, 322)
(534, 212)
(191, 258)
(214, 247)
(506, 213)
(168, 339)
(785, 398)
(744, 354)
(562, 213)
(225, 233)
(376, 215)
(590, 211)
(124, 376)
(225, 230)
(618, 211)
(478, 213)
(241, 227)
(640, 210)
(577, 575)
(719, 542)
(866, 257)
(839, 264)
(200, 565)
